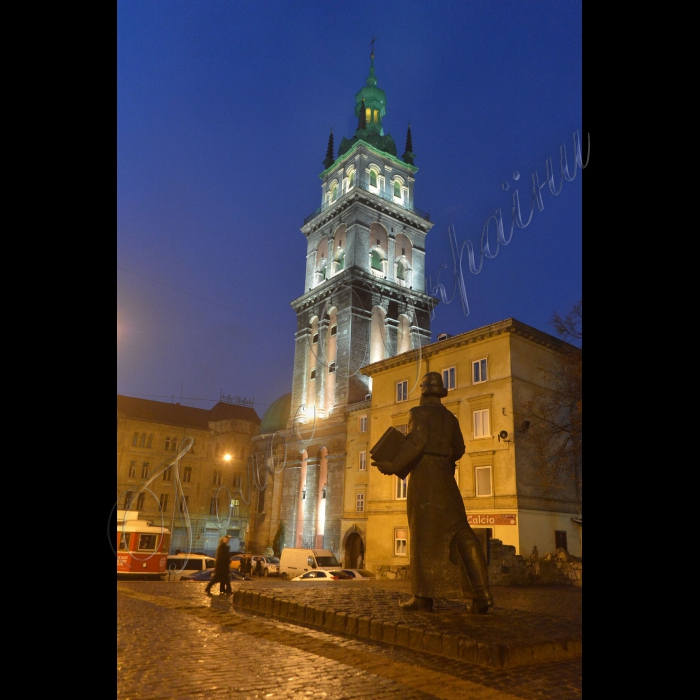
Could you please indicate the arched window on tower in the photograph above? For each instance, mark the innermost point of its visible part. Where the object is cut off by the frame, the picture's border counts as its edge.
(321, 262)
(372, 178)
(338, 262)
(368, 115)
(376, 116)
(403, 336)
(377, 348)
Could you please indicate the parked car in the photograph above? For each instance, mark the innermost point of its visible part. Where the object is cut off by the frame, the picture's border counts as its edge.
(296, 561)
(270, 565)
(179, 565)
(236, 560)
(322, 575)
(208, 573)
(359, 574)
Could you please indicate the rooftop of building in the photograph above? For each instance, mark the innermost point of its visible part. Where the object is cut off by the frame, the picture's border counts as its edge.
(185, 416)
(509, 325)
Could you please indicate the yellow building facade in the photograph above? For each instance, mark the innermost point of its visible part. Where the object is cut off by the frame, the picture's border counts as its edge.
(489, 373)
(214, 478)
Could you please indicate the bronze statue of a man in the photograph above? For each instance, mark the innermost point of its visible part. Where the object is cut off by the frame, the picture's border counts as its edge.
(436, 515)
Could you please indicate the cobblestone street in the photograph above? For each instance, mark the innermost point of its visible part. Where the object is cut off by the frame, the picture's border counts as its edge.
(175, 642)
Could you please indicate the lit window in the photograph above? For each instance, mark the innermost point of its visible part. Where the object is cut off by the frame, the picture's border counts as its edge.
(397, 189)
(449, 378)
(482, 478)
(363, 461)
(401, 488)
(481, 423)
(132, 468)
(372, 178)
(187, 475)
(351, 179)
(376, 116)
(480, 374)
(168, 474)
(368, 115)
(334, 193)
(400, 542)
(235, 507)
(144, 470)
(148, 542)
(363, 424)
(163, 502)
(402, 391)
(360, 502)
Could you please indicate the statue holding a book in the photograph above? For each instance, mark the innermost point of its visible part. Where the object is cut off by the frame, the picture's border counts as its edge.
(437, 519)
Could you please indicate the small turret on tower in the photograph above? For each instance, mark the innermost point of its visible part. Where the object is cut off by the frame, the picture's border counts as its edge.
(409, 155)
(329, 160)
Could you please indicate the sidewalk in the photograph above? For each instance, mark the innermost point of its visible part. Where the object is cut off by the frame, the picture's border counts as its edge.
(527, 625)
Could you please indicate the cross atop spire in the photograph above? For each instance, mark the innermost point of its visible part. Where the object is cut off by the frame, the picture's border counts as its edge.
(371, 43)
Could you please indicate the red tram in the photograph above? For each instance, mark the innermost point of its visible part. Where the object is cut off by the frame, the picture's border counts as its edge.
(143, 547)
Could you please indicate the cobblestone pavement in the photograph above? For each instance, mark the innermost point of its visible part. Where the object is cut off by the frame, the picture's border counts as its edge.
(175, 642)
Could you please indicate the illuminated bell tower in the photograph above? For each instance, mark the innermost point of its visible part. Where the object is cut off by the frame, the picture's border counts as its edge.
(364, 297)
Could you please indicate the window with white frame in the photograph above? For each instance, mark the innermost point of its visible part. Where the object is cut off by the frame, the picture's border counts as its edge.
(479, 371)
(400, 538)
(187, 475)
(363, 461)
(144, 470)
(140, 500)
(482, 479)
(363, 424)
(168, 474)
(132, 468)
(360, 502)
(235, 507)
(449, 378)
(218, 477)
(401, 488)
(163, 502)
(481, 423)
(402, 390)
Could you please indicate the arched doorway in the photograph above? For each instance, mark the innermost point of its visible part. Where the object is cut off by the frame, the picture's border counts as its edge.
(354, 551)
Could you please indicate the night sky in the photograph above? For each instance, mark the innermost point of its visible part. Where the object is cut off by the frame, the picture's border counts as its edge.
(224, 112)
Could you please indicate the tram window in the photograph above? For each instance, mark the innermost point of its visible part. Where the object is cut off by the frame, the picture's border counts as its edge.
(148, 542)
(124, 540)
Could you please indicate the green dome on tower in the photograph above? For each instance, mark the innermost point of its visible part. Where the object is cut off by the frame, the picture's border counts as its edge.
(370, 108)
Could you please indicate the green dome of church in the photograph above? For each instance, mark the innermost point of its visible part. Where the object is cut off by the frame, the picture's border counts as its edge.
(277, 415)
(370, 108)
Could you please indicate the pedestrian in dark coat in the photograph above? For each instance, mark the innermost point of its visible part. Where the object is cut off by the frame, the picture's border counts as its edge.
(221, 568)
(437, 519)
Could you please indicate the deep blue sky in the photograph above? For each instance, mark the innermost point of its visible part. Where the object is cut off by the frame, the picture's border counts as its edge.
(224, 110)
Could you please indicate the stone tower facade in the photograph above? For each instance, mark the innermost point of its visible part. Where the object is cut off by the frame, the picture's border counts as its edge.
(364, 301)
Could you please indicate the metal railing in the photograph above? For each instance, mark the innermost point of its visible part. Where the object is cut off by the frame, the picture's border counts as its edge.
(364, 186)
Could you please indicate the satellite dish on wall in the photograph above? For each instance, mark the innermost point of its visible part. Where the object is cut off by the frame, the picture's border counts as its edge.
(503, 435)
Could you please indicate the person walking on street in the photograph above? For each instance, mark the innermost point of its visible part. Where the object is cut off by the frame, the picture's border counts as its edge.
(437, 519)
(221, 568)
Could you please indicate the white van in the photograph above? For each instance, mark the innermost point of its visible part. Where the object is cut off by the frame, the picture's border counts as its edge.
(180, 565)
(295, 561)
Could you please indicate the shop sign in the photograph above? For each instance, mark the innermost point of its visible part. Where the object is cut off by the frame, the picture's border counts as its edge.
(486, 519)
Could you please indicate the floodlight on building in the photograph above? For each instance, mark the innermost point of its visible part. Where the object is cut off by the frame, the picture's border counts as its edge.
(503, 435)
